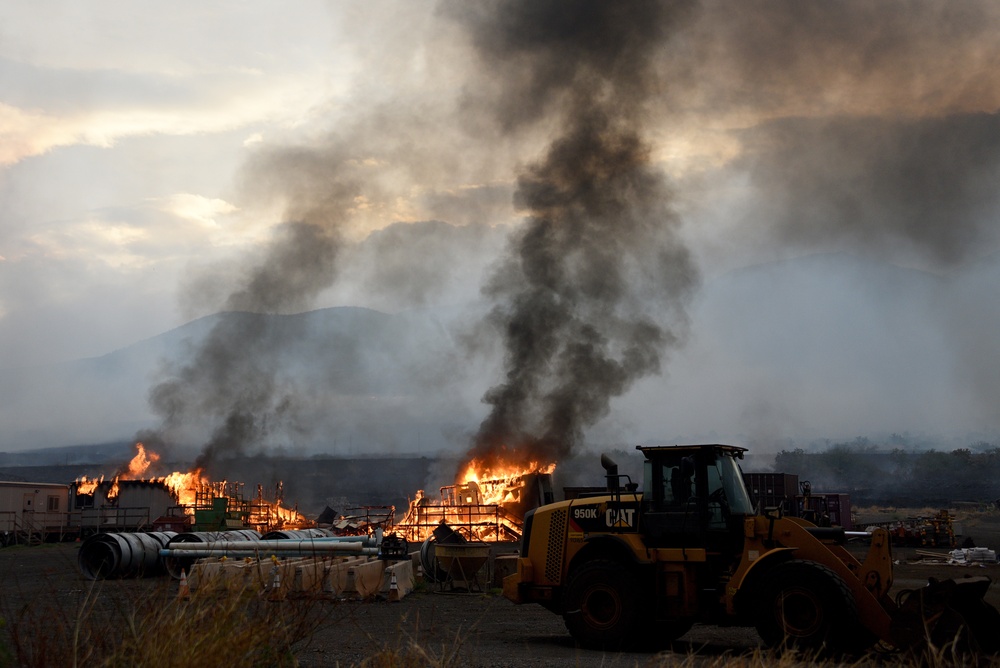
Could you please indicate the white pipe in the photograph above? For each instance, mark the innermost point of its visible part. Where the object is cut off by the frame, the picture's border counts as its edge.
(197, 553)
(276, 544)
(367, 540)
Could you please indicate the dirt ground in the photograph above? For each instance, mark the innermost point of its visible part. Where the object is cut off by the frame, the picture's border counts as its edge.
(481, 629)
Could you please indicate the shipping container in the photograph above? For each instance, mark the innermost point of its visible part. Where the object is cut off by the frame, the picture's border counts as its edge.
(832, 508)
(772, 490)
(838, 507)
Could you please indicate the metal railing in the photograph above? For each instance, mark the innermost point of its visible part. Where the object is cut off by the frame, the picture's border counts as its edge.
(33, 527)
(113, 518)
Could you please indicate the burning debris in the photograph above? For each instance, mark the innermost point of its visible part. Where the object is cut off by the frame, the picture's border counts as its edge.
(485, 505)
(208, 505)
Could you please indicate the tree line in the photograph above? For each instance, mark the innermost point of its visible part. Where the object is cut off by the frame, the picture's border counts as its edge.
(898, 476)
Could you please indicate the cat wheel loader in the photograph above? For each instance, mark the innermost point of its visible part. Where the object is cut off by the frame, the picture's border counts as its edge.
(627, 567)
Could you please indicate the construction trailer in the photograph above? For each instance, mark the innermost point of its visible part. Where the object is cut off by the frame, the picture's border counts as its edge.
(33, 512)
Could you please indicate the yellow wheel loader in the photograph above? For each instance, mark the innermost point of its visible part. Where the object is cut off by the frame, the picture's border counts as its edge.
(625, 566)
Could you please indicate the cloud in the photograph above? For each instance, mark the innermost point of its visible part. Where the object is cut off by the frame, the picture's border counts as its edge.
(72, 75)
(30, 132)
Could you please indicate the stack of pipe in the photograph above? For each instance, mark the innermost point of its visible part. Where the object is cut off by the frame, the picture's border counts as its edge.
(134, 554)
(266, 547)
(327, 546)
(176, 565)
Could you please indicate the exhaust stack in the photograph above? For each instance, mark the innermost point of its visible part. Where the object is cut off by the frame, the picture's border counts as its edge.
(611, 469)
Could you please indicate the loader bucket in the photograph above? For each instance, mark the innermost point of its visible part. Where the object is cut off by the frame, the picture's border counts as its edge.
(945, 613)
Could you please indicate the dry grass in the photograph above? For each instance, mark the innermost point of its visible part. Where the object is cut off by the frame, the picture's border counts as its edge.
(945, 657)
(148, 626)
(158, 630)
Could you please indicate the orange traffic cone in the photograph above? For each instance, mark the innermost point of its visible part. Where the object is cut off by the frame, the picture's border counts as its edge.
(184, 591)
(393, 588)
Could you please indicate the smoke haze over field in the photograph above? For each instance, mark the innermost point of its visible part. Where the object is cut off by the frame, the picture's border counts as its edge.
(607, 212)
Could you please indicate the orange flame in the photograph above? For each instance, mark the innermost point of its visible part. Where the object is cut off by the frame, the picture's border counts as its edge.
(485, 501)
(87, 485)
(140, 463)
(186, 488)
(499, 483)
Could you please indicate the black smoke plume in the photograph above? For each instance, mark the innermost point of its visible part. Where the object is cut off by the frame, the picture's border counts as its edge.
(592, 292)
(232, 383)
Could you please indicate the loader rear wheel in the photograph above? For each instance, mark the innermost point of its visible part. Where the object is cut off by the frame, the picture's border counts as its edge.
(602, 605)
(805, 605)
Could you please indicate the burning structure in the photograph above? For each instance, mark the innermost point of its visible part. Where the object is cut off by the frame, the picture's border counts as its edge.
(483, 507)
(484, 504)
(132, 499)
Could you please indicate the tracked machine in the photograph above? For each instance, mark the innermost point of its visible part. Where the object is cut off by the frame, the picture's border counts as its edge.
(629, 567)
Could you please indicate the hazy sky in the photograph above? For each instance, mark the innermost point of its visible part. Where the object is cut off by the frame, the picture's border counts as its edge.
(149, 152)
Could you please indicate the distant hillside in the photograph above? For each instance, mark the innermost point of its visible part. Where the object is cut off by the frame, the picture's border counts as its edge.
(343, 354)
(70, 455)
(832, 346)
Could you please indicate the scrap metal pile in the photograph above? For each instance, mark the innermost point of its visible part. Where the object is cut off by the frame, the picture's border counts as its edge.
(935, 531)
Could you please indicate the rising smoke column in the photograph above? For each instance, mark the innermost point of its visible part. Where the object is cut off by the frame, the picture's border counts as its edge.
(593, 290)
(232, 381)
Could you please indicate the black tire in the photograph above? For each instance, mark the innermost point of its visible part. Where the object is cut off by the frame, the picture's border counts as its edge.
(806, 605)
(602, 607)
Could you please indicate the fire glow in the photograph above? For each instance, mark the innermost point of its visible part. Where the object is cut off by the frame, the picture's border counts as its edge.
(486, 502)
(183, 486)
(189, 489)
(500, 484)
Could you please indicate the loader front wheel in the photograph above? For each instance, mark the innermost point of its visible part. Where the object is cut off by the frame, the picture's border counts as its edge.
(805, 605)
(602, 605)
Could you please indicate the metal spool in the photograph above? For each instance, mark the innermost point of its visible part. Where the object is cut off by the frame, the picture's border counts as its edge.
(122, 555)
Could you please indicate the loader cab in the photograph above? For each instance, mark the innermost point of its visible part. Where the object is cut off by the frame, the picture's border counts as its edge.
(694, 496)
